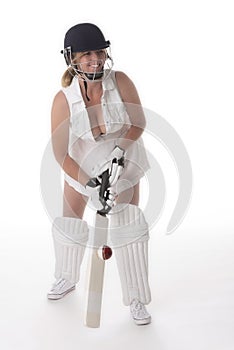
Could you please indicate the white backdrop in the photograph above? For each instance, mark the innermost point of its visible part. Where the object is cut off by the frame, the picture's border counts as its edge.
(180, 56)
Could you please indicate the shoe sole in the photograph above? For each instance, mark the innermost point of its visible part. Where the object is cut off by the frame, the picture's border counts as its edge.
(143, 322)
(59, 296)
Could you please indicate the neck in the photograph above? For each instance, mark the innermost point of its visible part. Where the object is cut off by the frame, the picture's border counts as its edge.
(93, 91)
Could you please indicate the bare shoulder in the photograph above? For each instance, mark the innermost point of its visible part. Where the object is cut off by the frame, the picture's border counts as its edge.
(60, 109)
(60, 102)
(123, 80)
(127, 88)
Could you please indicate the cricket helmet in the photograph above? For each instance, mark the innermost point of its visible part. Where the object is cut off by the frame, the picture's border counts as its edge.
(86, 37)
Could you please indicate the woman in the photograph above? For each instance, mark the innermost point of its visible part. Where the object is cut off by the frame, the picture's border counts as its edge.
(97, 123)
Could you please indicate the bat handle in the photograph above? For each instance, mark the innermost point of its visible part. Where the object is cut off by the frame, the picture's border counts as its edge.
(102, 193)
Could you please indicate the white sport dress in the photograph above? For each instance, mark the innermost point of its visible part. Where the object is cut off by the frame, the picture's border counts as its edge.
(89, 152)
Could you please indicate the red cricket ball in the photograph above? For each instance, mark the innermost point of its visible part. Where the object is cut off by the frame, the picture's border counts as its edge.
(106, 252)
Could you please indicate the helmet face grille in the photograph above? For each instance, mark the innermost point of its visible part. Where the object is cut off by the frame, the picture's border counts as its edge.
(85, 37)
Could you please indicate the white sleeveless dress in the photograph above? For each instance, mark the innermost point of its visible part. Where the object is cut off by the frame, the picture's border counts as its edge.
(87, 151)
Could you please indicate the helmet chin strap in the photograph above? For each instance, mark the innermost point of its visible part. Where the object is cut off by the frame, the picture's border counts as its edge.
(92, 77)
(86, 90)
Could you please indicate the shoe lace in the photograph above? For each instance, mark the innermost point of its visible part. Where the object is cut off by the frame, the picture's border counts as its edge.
(138, 306)
(58, 284)
(139, 309)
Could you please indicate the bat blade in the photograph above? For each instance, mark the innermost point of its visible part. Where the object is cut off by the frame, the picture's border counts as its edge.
(96, 273)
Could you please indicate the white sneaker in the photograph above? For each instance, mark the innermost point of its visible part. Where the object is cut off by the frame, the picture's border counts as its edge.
(60, 288)
(139, 313)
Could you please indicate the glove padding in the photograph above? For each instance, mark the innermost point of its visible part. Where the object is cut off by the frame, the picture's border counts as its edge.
(93, 187)
(115, 163)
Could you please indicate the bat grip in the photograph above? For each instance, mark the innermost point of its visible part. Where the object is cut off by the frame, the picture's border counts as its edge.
(104, 187)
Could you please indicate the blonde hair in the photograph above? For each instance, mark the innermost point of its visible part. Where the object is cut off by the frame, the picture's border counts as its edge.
(67, 77)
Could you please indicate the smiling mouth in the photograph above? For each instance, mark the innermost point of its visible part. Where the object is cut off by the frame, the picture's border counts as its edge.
(93, 70)
(95, 67)
(95, 64)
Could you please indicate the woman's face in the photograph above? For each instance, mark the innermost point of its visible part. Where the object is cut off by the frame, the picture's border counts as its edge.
(90, 61)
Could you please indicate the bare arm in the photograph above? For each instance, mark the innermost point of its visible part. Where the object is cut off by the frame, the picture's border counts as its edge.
(60, 138)
(132, 102)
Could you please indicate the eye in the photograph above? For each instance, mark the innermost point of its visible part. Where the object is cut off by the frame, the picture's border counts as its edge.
(101, 52)
(85, 54)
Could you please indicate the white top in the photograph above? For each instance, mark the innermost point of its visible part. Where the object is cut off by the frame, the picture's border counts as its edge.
(88, 151)
(114, 112)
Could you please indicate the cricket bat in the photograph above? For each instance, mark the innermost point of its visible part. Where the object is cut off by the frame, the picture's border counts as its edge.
(97, 263)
